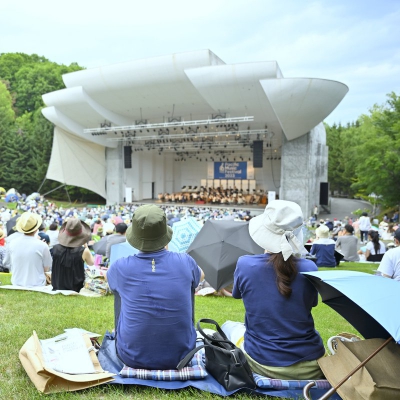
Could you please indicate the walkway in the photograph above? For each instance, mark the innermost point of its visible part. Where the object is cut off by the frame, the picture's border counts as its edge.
(342, 207)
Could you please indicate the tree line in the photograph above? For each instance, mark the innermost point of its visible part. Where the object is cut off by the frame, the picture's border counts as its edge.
(364, 156)
(26, 137)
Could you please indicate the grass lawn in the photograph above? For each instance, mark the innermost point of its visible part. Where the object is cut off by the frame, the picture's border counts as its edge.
(21, 312)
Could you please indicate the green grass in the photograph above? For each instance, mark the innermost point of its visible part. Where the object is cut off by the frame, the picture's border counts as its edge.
(21, 312)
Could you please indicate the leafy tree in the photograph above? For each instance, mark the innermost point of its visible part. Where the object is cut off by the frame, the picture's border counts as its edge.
(338, 140)
(11, 63)
(43, 141)
(7, 114)
(28, 77)
(32, 81)
(25, 146)
(18, 161)
(378, 152)
(7, 117)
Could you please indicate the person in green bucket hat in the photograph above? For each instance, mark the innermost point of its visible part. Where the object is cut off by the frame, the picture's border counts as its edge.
(153, 290)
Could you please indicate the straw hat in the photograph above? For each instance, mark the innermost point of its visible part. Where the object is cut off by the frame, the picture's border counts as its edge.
(28, 222)
(74, 233)
(278, 229)
(149, 230)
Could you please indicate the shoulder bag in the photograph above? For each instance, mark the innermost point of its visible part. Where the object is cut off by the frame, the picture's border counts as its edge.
(224, 361)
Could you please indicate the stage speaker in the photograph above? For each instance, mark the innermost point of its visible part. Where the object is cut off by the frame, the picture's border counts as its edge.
(127, 156)
(258, 153)
(324, 193)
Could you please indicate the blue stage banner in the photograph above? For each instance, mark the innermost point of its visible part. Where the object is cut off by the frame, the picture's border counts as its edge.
(230, 170)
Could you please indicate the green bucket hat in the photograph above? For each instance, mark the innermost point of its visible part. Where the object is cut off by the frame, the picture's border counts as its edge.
(149, 230)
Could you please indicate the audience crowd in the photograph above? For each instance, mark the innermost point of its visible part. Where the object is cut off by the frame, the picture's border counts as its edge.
(38, 237)
(105, 223)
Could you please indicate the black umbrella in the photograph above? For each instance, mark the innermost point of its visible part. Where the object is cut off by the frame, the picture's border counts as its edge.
(217, 247)
(10, 225)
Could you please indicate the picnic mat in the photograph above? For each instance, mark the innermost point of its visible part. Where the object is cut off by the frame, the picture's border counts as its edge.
(49, 290)
(284, 389)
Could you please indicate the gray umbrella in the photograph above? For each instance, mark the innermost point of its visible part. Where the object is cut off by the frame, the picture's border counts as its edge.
(100, 247)
(217, 247)
(10, 225)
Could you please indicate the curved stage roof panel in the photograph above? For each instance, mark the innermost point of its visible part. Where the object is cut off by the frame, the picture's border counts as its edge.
(301, 104)
(77, 104)
(236, 90)
(193, 86)
(148, 87)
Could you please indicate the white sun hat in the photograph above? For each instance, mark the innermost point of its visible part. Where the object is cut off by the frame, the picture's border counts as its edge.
(279, 228)
(322, 232)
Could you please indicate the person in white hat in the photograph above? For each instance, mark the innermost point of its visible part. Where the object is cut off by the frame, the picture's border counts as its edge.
(27, 257)
(278, 337)
(323, 248)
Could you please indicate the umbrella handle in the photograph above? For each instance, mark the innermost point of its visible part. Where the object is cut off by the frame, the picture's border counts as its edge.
(331, 391)
(307, 388)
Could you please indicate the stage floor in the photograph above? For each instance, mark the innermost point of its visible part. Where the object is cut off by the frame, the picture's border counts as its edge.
(255, 209)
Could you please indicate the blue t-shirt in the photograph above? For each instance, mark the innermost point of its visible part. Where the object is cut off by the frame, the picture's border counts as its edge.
(279, 331)
(155, 328)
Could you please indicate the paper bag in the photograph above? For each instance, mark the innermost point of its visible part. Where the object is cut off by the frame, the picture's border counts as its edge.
(378, 379)
(48, 380)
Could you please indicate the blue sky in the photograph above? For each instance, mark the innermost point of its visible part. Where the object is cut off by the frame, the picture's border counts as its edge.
(351, 41)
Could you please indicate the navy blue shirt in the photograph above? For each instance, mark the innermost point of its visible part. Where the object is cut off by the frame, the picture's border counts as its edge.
(155, 328)
(324, 250)
(279, 331)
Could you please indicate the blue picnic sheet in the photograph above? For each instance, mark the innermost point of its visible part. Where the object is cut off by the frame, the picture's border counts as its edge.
(272, 387)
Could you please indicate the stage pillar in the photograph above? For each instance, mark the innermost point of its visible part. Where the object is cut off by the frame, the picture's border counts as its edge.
(304, 166)
(114, 175)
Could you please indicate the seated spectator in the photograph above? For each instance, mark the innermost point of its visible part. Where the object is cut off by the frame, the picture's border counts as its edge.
(120, 250)
(386, 231)
(44, 237)
(154, 316)
(27, 257)
(390, 264)
(108, 227)
(323, 248)
(117, 237)
(70, 255)
(375, 249)
(347, 243)
(278, 336)
(97, 224)
(329, 224)
(335, 232)
(2, 251)
(52, 233)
